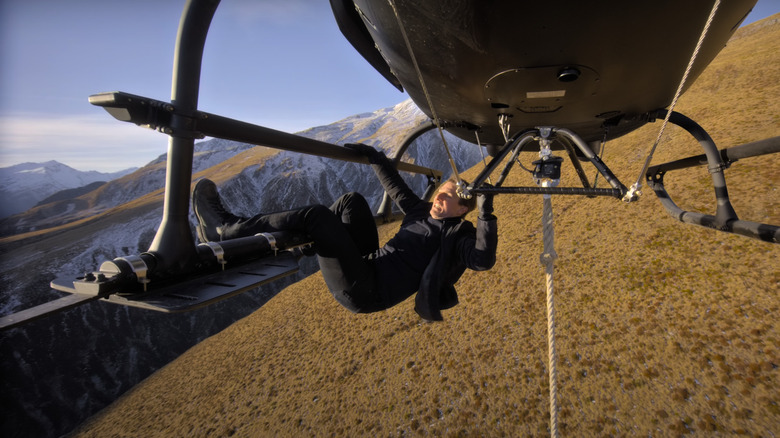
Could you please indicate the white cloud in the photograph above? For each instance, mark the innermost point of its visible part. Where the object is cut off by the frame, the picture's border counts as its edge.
(84, 142)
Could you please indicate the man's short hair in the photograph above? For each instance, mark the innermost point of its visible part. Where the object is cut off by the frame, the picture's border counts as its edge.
(470, 203)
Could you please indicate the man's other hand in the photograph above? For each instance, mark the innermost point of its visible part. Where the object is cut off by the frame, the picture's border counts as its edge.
(374, 156)
(485, 204)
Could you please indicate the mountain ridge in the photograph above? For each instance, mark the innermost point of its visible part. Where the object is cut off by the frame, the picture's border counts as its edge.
(23, 185)
(403, 118)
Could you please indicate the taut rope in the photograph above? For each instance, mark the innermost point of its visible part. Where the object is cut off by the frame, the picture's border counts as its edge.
(547, 258)
(634, 190)
(461, 186)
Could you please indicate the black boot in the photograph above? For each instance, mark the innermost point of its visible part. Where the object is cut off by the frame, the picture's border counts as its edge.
(210, 212)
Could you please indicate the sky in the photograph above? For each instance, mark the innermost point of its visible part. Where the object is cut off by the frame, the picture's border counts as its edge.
(280, 64)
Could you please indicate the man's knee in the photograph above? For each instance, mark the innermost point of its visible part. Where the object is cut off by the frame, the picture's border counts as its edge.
(351, 204)
(354, 197)
(317, 212)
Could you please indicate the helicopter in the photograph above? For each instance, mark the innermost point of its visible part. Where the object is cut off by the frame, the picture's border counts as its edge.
(512, 77)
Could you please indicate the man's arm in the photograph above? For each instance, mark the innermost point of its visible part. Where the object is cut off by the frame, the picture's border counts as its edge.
(478, 251)
(389, 177)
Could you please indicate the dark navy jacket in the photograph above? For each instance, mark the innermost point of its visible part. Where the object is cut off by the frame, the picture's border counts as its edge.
(428, 255)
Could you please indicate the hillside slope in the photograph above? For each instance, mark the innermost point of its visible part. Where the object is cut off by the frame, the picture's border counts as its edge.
(663, 328)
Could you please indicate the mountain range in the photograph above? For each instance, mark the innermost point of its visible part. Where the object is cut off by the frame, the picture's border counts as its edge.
(377, 128)
(22, 186)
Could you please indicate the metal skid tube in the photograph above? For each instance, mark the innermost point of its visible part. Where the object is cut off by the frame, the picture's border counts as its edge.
(729, 155)
(229, 129)
(717, 161)
(724, 211)
(157, 115)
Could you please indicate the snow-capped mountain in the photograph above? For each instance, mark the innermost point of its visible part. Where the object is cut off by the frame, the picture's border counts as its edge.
(63, 368)
(24, 185)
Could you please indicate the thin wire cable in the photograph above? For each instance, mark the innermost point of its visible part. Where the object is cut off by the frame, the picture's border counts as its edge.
(638, 184)
(482, 152)
(427, 95)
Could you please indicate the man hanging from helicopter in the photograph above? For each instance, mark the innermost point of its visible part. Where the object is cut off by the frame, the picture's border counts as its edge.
(430, 252)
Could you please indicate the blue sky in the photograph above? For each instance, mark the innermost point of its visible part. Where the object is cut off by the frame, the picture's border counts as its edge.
(281, 64)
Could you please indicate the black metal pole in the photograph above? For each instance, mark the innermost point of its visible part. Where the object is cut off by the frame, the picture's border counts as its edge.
(729, 155)
(173, 245)
(724, 211)
(594, 159)
(499, 157)
(386, 207)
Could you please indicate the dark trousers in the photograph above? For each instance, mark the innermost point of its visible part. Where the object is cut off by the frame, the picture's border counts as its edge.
(342, 235)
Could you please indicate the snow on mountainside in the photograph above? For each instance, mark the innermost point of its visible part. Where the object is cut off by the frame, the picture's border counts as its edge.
(24, 185)
(297, 179)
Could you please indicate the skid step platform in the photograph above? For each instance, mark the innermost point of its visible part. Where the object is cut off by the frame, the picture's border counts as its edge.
(203, 290)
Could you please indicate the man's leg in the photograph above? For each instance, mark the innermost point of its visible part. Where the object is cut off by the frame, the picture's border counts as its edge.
(348, 276)
(355, 214)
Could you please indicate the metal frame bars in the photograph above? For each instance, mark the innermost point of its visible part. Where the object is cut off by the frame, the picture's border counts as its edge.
(725, 218)
(568, 138)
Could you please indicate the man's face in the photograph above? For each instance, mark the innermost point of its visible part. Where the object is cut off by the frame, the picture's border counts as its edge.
(446, 202)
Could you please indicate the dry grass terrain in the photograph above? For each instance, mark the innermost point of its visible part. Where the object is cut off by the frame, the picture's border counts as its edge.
(664, 329)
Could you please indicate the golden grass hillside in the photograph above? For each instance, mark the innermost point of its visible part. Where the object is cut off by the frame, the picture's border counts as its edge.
(663, 329)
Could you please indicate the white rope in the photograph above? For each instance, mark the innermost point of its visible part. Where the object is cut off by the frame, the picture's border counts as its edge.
(547, 258)
(428, 97)
(634, 190)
